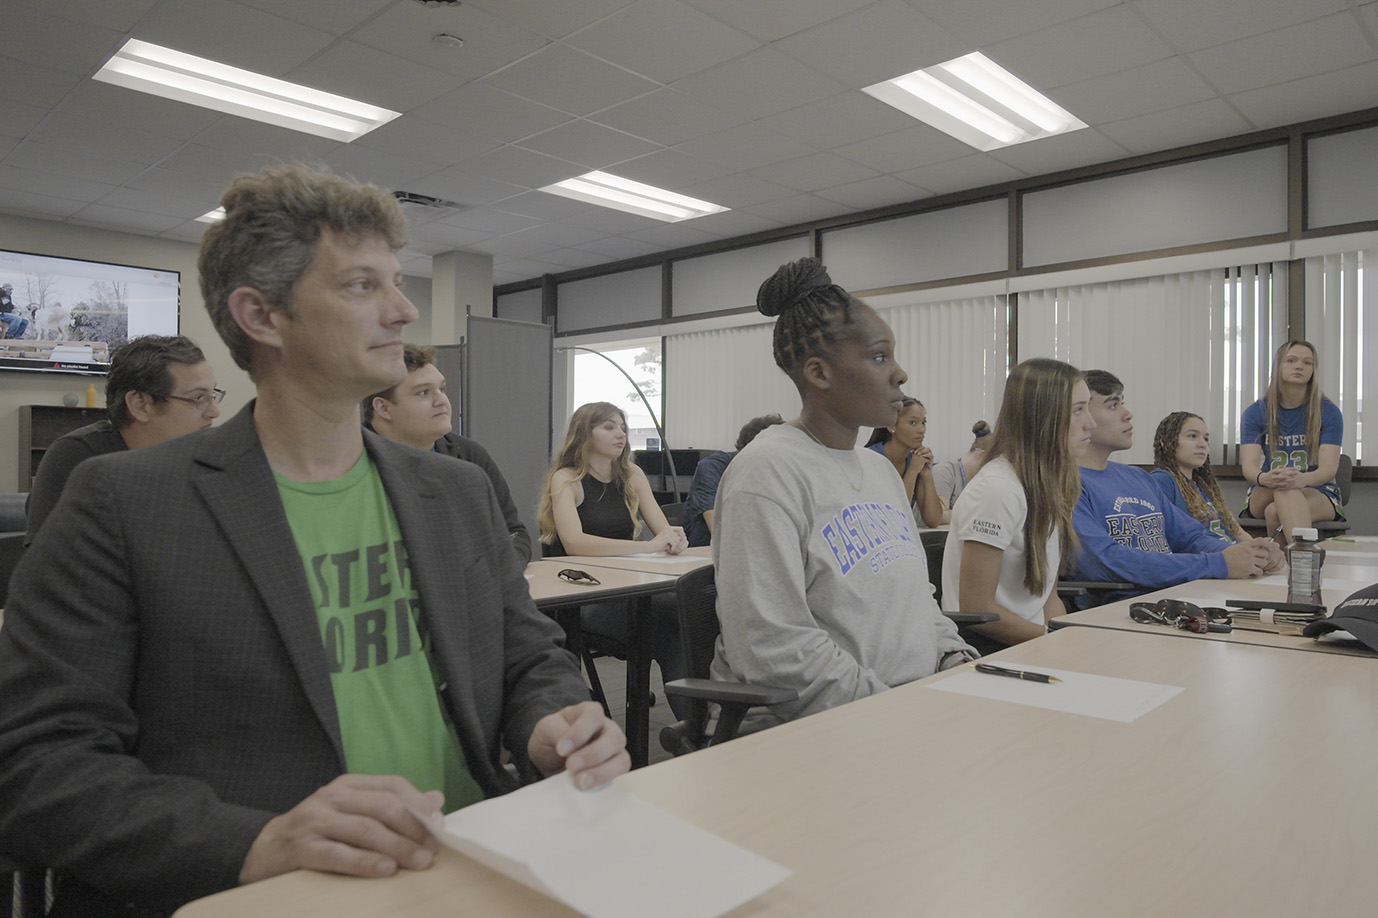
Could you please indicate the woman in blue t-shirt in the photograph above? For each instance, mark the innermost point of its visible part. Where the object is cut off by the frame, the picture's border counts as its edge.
(1290, 446)
(1182, 471)
(902, 444)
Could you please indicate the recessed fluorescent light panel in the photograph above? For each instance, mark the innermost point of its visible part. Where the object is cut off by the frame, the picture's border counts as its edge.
(633, 197)
(186, 78)
(212, 216)
(977, 101)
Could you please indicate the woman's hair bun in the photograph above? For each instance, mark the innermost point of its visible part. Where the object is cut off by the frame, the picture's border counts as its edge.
(980, 428)
(790, 284)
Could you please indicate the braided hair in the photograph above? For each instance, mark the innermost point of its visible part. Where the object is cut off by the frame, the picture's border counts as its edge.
(809, 307)
(1165, 457)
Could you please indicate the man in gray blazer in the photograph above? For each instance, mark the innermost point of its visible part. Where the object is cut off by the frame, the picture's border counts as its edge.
(256, 647)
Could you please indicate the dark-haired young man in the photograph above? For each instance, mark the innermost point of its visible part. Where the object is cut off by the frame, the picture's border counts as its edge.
(703, 487)
(416, 412)
(307, 638)
(158, 387)
(1127, 532)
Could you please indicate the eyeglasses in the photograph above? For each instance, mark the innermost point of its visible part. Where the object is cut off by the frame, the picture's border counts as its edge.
(569, 575)
(1184, 615)
(202, 402)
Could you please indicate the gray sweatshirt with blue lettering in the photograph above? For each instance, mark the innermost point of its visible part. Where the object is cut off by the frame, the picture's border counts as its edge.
(822, 582)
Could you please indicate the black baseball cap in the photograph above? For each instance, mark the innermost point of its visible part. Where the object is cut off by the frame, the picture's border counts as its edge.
(1358, 615)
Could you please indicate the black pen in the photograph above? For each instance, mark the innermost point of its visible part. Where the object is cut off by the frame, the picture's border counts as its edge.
(991, 669)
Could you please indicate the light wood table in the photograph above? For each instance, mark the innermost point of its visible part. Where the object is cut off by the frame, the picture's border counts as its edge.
(690, 559)
(1338, 582)
(636, 587)
(1249, 793)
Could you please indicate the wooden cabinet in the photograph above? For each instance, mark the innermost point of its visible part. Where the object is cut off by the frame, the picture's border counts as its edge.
(39, 426)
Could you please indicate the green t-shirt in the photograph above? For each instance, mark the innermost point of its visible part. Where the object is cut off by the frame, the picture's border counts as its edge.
(391, 719)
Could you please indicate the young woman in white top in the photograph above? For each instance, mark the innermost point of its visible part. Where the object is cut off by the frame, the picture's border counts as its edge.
(1012, 525)
(822, 582)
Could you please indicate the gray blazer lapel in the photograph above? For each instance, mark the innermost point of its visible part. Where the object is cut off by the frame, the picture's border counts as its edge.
(438, 560)
(233, 478)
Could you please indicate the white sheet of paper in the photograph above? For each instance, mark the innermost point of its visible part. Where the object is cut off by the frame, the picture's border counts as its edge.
(1124, 700)
(608, 854)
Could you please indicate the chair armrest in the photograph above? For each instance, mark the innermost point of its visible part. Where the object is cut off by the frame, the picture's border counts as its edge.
(730, 692)
(1082, 587)
(972, 618)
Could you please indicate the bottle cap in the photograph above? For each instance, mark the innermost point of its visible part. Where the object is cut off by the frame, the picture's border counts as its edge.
(1306, 535)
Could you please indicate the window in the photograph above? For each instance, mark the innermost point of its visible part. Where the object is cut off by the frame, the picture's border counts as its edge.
(601, 374)
(1340, 310)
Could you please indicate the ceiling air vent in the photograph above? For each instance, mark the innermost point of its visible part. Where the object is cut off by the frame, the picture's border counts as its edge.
(425, 208)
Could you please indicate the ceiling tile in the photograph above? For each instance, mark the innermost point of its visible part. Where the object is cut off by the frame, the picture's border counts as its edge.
(674, 235)
(1348, 90)
(118, 218)
(1114, 97)
(83, 135)
(375, 166)
(233, 134)
(799, 208)
(37, 37)
(429, 141)
(984, 22)
(516, 166)
(777, 82)
(737, 190)
(560, 235)
(33, 83)
(1065, 151)
(153, 202)
(359, 72)
(78, 166)
(481, 108)
(671, 169)
(897, 39)
(873, 192)
(17, 119)
(406, 30)
(1176, 127)
(744, 147)
(28, 204)
(818, 170)
(1101, 43)
(591, 145)
(490, 221)
(337, 17)
(120, 15)
(734, 223)
(622, 247)
(846, 118)
(666, 116)
(974, 171)
(186, 185)
(770, 19)
(1300, 51)
(909, 149)
(568, 80)
(553, 207)
(575, 258)
(137, 111)
(233, 34)
(464, 187)
(662, 39)
(1190, 25)
(14, 175)
(551, 18)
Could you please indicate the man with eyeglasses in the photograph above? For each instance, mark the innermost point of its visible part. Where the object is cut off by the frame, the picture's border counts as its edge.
(285, 642)
(158, 387)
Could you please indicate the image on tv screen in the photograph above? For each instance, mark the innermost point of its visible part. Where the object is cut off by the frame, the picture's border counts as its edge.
(65, 315)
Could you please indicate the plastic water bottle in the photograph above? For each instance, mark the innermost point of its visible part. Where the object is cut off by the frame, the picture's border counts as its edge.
(1304, 560)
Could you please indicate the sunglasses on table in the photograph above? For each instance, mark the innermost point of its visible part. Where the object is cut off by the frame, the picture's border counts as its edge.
(570, 575)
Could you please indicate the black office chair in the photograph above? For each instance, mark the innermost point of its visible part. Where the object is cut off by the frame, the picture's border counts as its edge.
(674, 513)
(1096, 591)
(697, 596)
(1344, 478)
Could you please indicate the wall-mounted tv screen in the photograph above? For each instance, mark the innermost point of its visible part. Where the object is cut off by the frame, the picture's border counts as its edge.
(66, 315)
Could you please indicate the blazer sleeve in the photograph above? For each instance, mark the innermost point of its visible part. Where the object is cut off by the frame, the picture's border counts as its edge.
(73, 794)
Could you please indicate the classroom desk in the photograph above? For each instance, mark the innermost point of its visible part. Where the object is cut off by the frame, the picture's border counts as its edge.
(1342, 575)
(1249, 793)
(690, 559)
(552, 594)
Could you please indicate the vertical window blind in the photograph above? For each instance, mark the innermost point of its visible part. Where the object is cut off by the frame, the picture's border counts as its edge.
(1199, 341)
(1341, 309)
(956, 354)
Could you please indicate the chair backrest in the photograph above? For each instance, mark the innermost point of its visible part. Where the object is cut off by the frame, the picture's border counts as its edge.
(934, 541)
(696, 595)
(674, 513)
(1344, 477)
